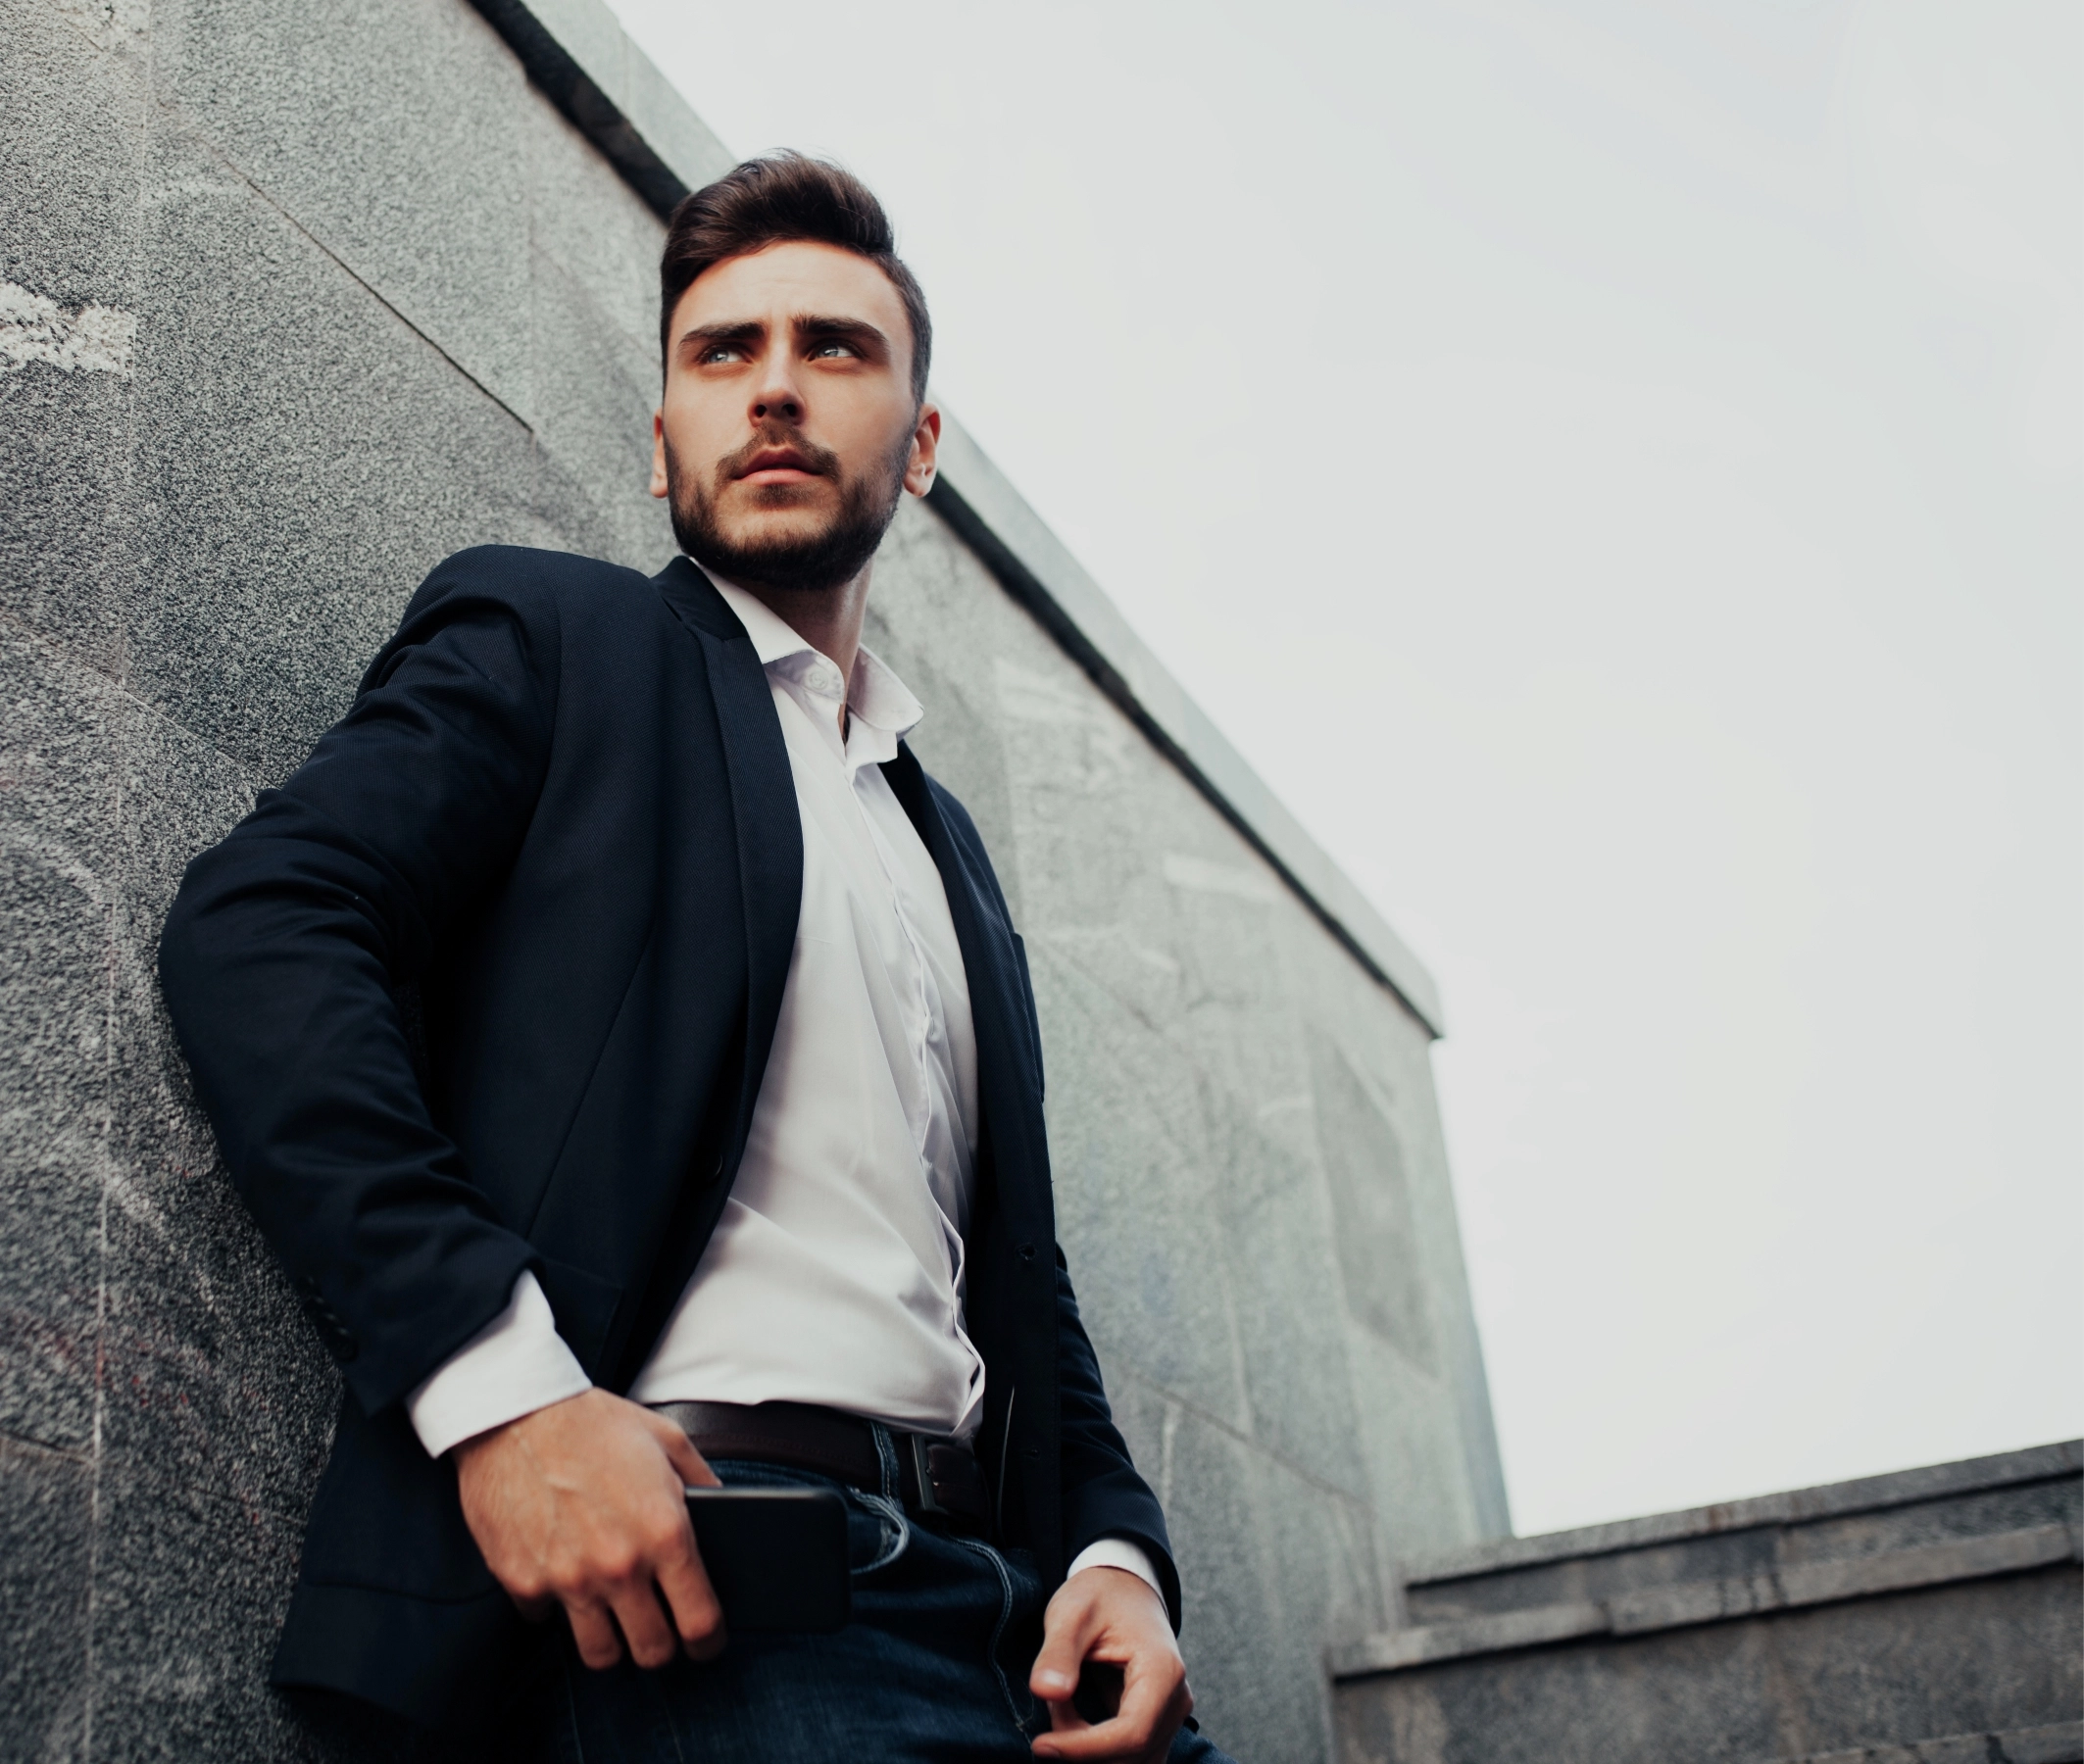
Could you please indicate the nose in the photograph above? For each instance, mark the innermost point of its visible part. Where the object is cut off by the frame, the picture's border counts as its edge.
(778, 398)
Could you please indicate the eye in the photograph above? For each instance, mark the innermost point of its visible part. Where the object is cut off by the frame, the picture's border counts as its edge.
(717, 353)
(826, 352)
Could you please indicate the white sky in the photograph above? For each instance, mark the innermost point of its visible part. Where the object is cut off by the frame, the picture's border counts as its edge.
(1615, 467)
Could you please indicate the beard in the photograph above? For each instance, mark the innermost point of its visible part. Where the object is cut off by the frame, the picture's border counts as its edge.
(815, 561)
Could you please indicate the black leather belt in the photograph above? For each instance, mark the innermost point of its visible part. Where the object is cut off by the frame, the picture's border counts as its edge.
(935, 1474)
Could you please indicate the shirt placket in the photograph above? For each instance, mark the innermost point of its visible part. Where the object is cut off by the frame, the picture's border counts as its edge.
(922, 1050)
(803, 674)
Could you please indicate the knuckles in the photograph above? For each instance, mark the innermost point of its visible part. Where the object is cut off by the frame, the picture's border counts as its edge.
(665, 1544)
(619, 1566)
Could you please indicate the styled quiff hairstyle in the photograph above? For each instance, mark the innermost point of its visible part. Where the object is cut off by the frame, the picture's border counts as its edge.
(774, 199)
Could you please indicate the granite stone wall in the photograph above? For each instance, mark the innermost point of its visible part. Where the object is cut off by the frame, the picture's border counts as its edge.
(294, 299)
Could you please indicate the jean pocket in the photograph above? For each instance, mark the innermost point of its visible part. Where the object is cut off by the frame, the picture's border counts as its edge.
(878, 1532)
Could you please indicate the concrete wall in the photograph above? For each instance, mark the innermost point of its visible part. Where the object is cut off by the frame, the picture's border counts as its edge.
(294, 300)
(1928, 1617)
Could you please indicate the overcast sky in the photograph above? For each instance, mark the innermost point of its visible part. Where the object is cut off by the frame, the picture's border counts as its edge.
(1615, 468)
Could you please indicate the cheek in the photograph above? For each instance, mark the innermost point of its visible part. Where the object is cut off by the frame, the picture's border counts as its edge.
(869, 435)
(699, 429)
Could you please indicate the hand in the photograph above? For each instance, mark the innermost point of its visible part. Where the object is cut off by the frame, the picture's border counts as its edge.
(1111, 1616)
(580, 1504)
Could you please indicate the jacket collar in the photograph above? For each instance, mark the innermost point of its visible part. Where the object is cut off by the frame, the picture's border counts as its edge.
(694, 597)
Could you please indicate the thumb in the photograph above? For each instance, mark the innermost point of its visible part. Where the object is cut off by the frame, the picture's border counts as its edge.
(688, 1464)
(1065, 1641)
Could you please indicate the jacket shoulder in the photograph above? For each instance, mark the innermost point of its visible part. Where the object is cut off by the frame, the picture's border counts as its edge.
(533, 581)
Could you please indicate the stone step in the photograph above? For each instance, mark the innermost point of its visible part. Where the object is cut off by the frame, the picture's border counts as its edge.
(1741, 1541)
(1691, 1602)
(1826, 1626)
(2061, 1744)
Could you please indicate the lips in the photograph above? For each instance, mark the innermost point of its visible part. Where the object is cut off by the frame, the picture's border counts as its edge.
(777, 466)
(777, 459)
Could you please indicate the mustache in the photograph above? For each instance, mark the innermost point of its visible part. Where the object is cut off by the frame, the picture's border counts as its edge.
(821, 459)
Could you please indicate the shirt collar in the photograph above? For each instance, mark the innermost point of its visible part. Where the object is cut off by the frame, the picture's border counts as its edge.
(875, 695)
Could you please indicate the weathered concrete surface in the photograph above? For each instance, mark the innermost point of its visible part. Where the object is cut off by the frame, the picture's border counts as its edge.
(293, 301)
(1931, 1615)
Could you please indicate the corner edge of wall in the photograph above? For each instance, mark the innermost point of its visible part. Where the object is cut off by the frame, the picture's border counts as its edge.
(578, 54)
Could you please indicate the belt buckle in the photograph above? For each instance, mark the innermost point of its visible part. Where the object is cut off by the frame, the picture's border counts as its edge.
(923, 1476)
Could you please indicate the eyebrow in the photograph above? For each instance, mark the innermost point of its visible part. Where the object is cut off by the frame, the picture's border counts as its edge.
(855, 331)
(735, 330)
(809, 325)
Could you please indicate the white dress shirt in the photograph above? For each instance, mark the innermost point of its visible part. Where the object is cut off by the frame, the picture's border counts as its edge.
(835, 1273)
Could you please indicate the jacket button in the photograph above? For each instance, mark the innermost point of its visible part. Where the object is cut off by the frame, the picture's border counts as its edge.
(1027, 1253)
(339, 1339)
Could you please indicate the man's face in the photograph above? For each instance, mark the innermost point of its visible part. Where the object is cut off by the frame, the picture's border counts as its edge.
(787, 429)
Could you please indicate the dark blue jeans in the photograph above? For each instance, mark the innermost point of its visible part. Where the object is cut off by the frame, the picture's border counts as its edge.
(934, 1665)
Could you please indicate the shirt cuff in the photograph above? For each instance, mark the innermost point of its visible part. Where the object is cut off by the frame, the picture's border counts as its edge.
(1118, 1553)
(515, 1365)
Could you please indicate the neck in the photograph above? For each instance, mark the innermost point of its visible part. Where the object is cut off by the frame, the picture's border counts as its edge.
(828, 618)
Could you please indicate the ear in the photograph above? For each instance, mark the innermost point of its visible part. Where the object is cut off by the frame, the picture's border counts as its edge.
(659, 485)
(925, 450)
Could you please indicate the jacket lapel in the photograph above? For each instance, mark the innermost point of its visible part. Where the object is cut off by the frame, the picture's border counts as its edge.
(1009, 1062)
(763, 809)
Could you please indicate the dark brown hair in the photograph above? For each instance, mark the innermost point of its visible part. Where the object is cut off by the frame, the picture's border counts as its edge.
(780, 197)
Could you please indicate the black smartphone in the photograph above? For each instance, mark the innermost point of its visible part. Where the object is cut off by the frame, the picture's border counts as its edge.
(1098, 1695)
(777, 1558)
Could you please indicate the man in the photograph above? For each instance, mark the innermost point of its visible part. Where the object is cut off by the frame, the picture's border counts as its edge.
(627, 1049)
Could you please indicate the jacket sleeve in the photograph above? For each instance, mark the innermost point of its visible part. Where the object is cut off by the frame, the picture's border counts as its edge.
(287, 941)
(1103, 1495)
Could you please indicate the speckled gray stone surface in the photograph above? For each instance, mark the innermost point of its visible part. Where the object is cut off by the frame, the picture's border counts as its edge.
(375, 298)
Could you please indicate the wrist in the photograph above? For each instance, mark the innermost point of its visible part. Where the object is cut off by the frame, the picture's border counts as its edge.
(510, 1431)
(1108, 1582)
(514, 1366)
(1123, 1553)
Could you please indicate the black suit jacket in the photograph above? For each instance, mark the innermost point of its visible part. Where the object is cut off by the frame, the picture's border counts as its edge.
(489, 985)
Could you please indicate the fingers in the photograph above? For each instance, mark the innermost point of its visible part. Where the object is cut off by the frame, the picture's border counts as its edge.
(1152, 1709)
(580, 1504)
(1070, 1628)
(1150, 1691)
(536, 1610)
(661, 1601)
(696, 1613)
(594, 1633)
(642, 1618)
(682, 1581)
(1117, 1624)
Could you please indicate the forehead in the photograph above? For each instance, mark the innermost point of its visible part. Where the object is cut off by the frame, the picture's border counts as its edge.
(798, 276)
